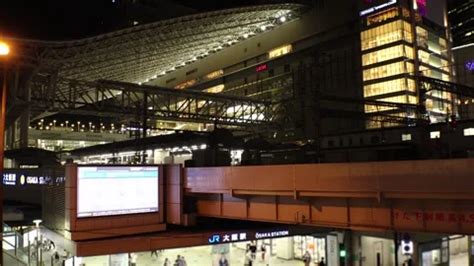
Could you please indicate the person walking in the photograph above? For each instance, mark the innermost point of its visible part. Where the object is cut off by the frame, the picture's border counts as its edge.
(322, 263)
(253, 249)
(223, 261)
(248, 259)
(307, 258)
(133, 259)
(167, 262)
(182, 261)
(263, 250)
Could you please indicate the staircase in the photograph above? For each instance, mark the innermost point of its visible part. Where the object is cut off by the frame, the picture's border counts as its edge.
(15, 248)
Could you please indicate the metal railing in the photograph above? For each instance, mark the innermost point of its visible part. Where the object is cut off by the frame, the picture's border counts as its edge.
(14, 248)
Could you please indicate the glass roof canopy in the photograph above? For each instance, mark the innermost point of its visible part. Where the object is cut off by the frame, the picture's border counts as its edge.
(142, 53)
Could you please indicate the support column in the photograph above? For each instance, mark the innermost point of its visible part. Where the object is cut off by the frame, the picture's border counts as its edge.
(395, 242)
(24, 122)
(10, 137)
(348, 247)
(3, 111)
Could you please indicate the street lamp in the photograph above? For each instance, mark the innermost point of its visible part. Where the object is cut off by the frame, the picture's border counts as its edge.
(4, 52)
(39, 258)
(4, 49)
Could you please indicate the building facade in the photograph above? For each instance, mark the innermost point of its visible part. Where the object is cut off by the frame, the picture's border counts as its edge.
(461, 18)
(401, 40)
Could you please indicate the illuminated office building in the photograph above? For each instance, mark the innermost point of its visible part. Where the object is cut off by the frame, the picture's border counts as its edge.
(461, 18)
(401, 40)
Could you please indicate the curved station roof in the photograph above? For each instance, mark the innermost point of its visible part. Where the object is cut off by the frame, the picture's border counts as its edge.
(144, 52)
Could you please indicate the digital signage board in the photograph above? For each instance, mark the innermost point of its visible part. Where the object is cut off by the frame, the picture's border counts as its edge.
(116, 190)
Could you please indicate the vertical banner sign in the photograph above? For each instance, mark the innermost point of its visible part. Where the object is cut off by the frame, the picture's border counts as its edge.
(421, 7)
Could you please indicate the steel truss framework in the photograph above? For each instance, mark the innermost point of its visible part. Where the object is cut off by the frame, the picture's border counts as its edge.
(132, 101)
(436, 84)
(142, 53)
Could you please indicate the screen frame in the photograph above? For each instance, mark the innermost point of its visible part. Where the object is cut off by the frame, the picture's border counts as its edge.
(159, 170)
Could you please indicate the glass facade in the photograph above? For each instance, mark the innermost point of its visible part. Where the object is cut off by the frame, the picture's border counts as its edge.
(391, 86)
(396, 47)
(387, 54)
(385, 34)
(388, 70)
(396, 99)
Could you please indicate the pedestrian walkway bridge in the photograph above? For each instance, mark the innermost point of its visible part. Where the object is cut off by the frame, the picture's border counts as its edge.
(420, 196)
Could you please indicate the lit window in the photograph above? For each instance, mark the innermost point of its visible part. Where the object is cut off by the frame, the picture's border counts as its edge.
(387, 33)
(185, 84)
(396, 99)
(390, 86)
(435, 134)
(215, 74)
(215, 89)
(388, 70)
(280, 51)
(469, 132)
(406, 137)
(387, 54)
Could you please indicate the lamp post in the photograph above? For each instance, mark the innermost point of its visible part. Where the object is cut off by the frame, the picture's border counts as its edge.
(39, 258)
(4, 51)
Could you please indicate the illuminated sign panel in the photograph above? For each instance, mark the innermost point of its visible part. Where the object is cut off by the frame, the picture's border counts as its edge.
(470, 66)
(261, 68)
(421, 4)
(272, 234)
(227, 237)
(116, 190)
(9, 179)
(376, 8)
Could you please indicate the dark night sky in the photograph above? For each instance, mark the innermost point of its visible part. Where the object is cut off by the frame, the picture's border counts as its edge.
(67, 19)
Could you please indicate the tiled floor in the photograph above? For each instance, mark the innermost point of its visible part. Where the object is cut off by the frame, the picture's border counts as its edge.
(195, 256)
